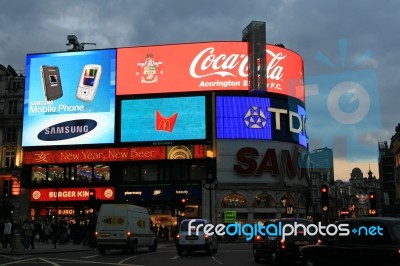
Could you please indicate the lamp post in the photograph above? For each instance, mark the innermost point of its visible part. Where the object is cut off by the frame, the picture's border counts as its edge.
(210, 184)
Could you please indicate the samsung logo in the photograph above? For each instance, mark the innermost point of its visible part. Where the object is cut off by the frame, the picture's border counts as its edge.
(67, 130)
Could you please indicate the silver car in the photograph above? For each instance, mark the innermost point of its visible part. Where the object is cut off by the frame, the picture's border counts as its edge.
(192, 241)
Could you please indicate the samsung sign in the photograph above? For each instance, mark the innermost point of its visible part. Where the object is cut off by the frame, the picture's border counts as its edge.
(67, 130)
(240, 117)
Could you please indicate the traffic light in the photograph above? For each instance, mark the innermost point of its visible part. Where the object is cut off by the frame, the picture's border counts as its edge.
(372, 202)
(92, 195)
(182, 207)
(325, 198)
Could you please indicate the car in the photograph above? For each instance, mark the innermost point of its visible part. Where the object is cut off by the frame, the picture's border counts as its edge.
(190, 241)
(371, 241)
(276, 249)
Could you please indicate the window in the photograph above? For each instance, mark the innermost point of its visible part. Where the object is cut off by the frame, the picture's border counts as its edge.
(287, 200)
(149, 171)
(83, 173)
(263, 200)
(12, 107)
(7, 189)
(198, 172)
(179, 171)
(234, 200)
(38, 174)
(10, 159)
(56, 173)
(102, 173)
(131, 173)
(11, 134)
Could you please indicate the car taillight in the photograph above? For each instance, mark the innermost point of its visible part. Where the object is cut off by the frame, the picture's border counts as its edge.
(282, 244)
(258, 237)
(205, 237)
(319, 242)
(177, 236)
(96, 234)
(129, 234)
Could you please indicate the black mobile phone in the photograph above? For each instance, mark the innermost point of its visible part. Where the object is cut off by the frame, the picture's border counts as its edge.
(51, 82)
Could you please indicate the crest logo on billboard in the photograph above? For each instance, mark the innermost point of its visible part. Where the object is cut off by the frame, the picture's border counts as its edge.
(149, 69)
(255, 118)
(165, 123)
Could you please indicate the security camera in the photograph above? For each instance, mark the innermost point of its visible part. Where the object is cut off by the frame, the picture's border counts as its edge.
(72, 39)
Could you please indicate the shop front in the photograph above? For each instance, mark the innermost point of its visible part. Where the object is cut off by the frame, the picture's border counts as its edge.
(167, 203)
(71, 204)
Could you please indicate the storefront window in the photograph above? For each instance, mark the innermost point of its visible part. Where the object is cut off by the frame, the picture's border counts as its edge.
(263, 200)
(83, 173)
(56, 173)
(234, 200)
(198, 172)
(102, 173)
(131, 173)
(149, 171)
(286, 200)
(179, 171)
(38, 174)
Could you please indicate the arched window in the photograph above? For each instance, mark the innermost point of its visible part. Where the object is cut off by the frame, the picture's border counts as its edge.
(234, 200)
(263, 200)
(287, 200)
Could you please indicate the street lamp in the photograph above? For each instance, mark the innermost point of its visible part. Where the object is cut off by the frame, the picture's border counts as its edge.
(210, 184)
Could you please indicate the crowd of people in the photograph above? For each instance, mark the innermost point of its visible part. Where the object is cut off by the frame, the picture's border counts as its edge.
(164, 232)
(45, 231)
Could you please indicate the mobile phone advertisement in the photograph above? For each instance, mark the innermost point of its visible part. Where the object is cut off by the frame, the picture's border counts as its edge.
(69, 98)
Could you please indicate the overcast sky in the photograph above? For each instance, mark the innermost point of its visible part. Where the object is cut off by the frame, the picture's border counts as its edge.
(350, 51)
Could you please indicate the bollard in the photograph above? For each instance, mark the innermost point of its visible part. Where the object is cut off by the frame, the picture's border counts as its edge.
(16, 243)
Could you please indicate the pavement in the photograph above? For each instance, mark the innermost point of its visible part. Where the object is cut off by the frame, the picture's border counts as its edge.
(42, 248)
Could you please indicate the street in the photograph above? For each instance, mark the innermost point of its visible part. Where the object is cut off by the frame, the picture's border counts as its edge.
(228, 254)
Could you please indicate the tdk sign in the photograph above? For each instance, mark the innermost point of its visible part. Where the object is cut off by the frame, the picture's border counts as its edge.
(263, 118)
(67, 130)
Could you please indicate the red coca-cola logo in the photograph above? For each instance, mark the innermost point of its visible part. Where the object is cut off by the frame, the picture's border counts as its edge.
(208, 63)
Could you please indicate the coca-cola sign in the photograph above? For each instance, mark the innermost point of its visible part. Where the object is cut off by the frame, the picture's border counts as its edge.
(208, 63)
(212, 66)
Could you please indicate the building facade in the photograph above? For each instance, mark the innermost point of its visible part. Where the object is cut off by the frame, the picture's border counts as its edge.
(157, 124)
(12, 86)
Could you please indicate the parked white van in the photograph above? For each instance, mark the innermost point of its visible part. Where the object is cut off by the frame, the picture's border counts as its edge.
(124, 226)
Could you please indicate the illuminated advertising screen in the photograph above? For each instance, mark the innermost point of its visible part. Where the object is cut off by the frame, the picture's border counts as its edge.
(69, 98)
(240, 117)
(163, 119)
(211, 66)
(70, 194)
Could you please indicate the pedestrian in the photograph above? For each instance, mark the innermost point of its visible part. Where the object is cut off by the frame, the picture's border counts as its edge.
(7, 233)
(46, 232)
(34, 233)
(2, 231)
(27, 229)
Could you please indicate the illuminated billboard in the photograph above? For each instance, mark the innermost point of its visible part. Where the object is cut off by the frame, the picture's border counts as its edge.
(69, 98)
(241, 117)
(163, 119)
(211, 66)
(70, 194)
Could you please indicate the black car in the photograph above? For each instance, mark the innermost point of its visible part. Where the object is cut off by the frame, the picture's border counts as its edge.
(275, 249)
(371, 241)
